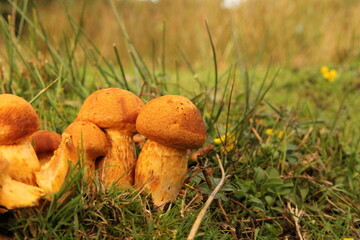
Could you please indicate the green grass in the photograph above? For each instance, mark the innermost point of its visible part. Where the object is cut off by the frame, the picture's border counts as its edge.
(313, 166)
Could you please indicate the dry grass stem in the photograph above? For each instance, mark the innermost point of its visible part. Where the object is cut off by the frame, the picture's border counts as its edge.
(201, 215)
(296, 215)
(257, 135)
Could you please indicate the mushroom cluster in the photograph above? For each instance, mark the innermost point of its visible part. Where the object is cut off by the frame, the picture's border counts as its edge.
(115, 111)
(34, 164)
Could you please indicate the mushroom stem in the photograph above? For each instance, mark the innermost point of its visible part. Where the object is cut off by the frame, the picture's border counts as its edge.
(162, 170)
(51, 176)
(22, 161)
(15, 194)
(119, 163)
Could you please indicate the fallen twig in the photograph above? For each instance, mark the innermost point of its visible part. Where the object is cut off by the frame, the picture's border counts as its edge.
(249, 212)
(201, 215)
(202, 152)
(257, 135)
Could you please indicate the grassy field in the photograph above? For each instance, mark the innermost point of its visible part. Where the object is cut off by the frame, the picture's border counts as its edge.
(285, 128)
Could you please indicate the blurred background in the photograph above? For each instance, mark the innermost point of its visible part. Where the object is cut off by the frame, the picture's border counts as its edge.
(287, 33)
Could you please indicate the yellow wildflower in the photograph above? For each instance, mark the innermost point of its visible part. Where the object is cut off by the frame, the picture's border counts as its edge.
(332, 75)
(269, 131)
(228, 147)
(277, 133)
(227, 139)
(220, 139)
(230, 137)
(348, 238)
(324, 69)
(329, 74)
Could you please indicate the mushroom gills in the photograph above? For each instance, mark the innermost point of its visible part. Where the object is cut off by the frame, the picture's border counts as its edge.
(161, 171)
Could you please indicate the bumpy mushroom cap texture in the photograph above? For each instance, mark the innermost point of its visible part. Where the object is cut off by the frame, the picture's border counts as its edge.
(115, 111)
(15, 194)
(45, 143)
(18, 120)
(172, 125)
(90, 141)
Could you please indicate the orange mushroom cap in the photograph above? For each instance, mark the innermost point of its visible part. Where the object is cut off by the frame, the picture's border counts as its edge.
(18, 119)
(111, 108)
(173, 121)
(45, 141)
(90, 137)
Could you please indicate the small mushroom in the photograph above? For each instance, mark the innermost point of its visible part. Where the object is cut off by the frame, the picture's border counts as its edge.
(52, 174)
(18, 121)
(172, 125)
(77, 139)
(115, 111)
(45, 143)
(90, 141)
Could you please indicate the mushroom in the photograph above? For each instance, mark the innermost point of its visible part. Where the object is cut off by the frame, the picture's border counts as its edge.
(45, 143)
(18, 160)
(115, 111)
(52, 174)
(77, 139)
(16, 194)
(90, 141)
(172, 125)
(18, 121)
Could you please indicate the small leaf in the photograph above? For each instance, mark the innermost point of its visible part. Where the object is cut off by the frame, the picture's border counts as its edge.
(260, 175)
(304, 193)
(258, 204)
(272, 172)
(270, 200)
